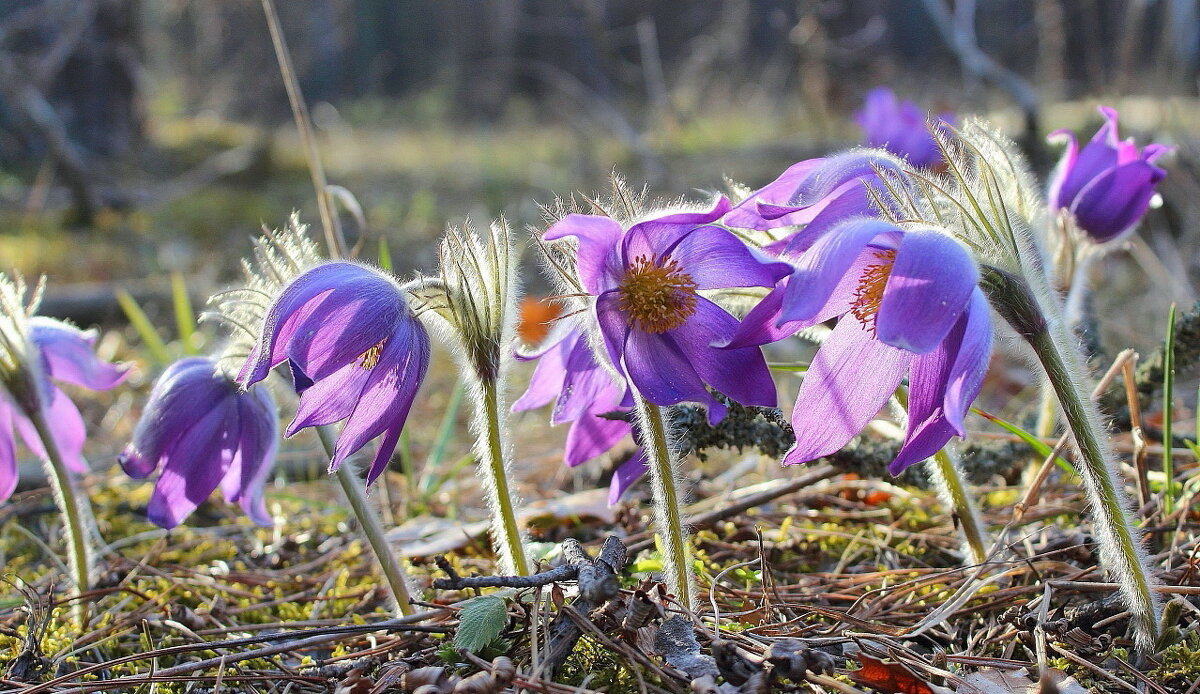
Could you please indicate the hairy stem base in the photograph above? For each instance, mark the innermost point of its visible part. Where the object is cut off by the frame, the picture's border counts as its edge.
(668, 516)
(77, 516)
(1120, 549)
(506, 534)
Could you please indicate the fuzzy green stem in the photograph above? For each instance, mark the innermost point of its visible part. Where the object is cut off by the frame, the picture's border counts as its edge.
(372, 526)
(949, 481)
(668, 516)
(76, 513)
(505, 531)
(1118, 542)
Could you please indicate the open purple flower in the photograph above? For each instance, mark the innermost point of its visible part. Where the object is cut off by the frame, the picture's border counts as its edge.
(816, 193)
(656, 327)
(202, 431)
(899, 126)
(908, 306)
(66, 355)
(1107, 186)
(349, 331)
(568, 374)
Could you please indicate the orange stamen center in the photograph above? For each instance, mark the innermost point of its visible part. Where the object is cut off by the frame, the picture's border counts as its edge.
(869, 293)
(371, 357)
(657, 298)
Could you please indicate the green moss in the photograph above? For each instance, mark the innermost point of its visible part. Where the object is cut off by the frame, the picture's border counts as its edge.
(1180, 664)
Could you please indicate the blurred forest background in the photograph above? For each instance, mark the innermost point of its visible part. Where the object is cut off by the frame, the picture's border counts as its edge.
(139, 137)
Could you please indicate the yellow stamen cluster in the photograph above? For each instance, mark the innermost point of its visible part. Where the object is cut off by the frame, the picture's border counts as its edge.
(657, 298)
(371, 357)
(869, 293)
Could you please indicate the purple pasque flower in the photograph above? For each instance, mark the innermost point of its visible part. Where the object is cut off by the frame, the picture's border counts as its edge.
(908, 306)
(352, 339)
(656, 327)
(900, 127)
(202, 431)
(815, 194)
(1107, 186)
(568, 374)
(66, 354)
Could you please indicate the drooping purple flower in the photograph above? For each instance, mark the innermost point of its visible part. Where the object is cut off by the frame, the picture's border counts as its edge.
(656, 327)
(568, 374)
(1107, 186)
(202, 431)
(900, 127)
(66, 354)
(349, 331)
(908, 306)
(815, 194)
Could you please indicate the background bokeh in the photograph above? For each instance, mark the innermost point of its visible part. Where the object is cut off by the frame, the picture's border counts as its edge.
(139, 137)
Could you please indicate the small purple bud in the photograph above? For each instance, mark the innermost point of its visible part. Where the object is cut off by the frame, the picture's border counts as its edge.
(1107, 185)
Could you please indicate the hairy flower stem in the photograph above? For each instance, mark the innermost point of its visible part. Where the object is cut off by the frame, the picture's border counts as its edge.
(372, 526)
(668, 516)
(948, 479)
(1120, 549)
(76, 512)
(506, 534)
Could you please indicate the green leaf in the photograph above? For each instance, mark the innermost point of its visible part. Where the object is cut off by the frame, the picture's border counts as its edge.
(1168, 413)
(185, 317)
(145, 329)
(385, 255)
(480, 622)
(1040, 447)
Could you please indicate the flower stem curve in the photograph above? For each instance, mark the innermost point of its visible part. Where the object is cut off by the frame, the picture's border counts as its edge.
(371, 525)
(1119, 542)
(78, 521)
(668, 516)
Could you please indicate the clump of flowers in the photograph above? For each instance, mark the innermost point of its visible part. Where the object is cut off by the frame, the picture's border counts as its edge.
(203, 432)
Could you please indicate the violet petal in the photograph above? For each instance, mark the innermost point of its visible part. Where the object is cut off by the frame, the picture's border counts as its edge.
(596, 259)
(931, 281)
(849, 380)
(69, 356)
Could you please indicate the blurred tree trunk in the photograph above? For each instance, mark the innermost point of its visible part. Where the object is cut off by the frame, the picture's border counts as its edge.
(98, 89)
(70, 71)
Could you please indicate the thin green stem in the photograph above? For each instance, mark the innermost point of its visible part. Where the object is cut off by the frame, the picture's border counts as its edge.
(1168, 409)
(1046, 422)
(947, 477)
(372, 526)
(76, 512)
(506, 532)
(668, 516)
(1119, 545)
(949, 480)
